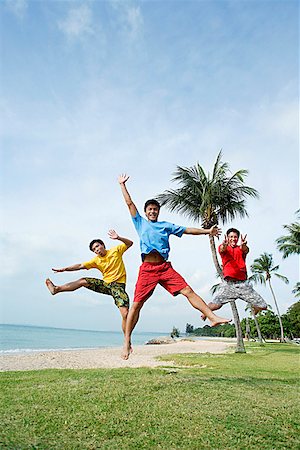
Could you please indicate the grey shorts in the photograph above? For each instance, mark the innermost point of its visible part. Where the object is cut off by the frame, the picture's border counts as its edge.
(232, 290)
(115, 289)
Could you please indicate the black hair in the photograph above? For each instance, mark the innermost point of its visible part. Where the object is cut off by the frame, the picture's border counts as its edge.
(152, 201)
(233, 230)
(94, 242)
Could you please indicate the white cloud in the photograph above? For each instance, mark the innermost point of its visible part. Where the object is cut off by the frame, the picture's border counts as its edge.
(78, 22)
(17, 7)
(130, 18)
(134, 20)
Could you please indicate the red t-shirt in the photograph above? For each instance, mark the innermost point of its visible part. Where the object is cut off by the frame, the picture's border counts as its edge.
(233, 261)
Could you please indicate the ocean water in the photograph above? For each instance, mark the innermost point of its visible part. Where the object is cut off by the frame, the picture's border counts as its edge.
(23, 338)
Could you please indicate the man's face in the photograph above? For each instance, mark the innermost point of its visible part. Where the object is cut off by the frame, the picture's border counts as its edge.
(99, 249)
(232, 239)
(152, 212)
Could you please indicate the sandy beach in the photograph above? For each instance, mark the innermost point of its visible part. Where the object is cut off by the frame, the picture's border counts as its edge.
(108, 358)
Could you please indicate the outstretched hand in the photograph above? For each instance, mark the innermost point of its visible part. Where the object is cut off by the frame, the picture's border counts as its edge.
(113, 234)
(123, 178)
(215, 231)
(58, 270)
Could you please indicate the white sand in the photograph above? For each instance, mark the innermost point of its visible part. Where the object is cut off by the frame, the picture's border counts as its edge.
(106, 358)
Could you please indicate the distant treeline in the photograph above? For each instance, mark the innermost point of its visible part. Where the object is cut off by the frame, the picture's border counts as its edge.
(267, 321)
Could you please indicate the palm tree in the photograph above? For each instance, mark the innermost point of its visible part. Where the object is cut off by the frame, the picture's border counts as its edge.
(211, 199)
(290, 244)
(263, 270)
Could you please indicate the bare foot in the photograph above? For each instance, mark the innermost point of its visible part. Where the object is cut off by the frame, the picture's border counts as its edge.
(50, 286)
(127, 349)
(218, 321)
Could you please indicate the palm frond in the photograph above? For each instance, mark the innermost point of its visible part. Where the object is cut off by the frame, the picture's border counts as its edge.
(216, 167)
(296, 289)
(273, 269)
(263, 263)
(282, 278)
(263, 267)
(257, 278)
(220, 197)
(290, 243)
(214, 289)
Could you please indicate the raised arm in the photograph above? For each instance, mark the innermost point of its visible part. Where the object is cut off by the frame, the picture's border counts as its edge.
(114, 235)
(70, 268)
(213, 231)
(131, 206)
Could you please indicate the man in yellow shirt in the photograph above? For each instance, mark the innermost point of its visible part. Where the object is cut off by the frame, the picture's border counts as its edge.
(111, 265)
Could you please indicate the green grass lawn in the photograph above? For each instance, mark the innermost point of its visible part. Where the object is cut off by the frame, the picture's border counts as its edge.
(229, 401)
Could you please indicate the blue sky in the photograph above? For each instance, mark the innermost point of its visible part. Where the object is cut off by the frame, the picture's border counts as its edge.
(90, 89)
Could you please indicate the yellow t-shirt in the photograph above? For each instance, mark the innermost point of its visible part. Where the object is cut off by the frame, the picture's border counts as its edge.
(111, 265)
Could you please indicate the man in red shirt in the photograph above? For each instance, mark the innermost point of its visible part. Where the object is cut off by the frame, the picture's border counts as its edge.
(235, 284)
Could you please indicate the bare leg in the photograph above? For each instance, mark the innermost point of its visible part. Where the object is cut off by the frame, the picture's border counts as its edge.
(213, 307)
(124, 313)
(72, 286)
(132, 319)
(198, 303)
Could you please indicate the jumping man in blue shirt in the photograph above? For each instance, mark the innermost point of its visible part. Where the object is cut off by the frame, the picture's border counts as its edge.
(155, 269)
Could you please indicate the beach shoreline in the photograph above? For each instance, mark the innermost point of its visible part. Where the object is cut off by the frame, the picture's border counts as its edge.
(109, 357)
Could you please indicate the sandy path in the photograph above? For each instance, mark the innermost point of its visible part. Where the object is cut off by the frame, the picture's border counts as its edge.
(143, 356)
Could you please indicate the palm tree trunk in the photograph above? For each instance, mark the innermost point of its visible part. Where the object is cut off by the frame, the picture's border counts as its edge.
(257, 326)
(214, 256)
(248, 333)
(240, 347)
(279, 318)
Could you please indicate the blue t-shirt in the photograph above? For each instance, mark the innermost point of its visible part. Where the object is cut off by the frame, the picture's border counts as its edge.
(155, 235)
